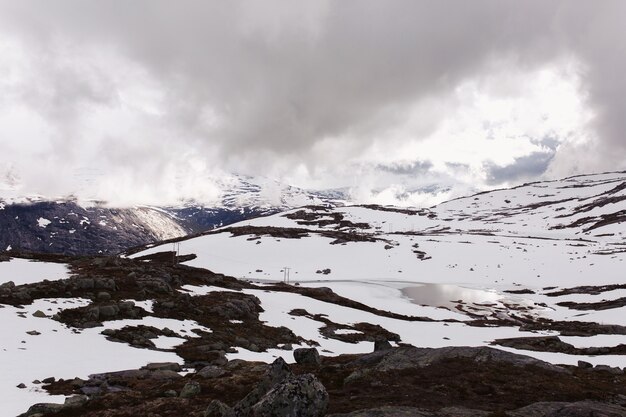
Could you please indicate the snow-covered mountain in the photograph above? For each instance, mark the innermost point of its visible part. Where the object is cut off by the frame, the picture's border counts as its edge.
(71, 226)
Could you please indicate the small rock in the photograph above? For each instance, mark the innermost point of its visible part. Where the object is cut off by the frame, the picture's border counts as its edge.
(584, 365)
(382, 344)
(170, 393)
(33, 333)
(218, 409)
(307, 356)
(40, 314)
(21, 386)
(211, 371)
(104, 296)
(48, 380)
(191, 389)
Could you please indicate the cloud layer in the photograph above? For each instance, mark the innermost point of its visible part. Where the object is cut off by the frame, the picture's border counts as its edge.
(152, 94)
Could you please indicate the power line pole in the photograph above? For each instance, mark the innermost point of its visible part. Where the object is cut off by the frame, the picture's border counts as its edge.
(286, 275)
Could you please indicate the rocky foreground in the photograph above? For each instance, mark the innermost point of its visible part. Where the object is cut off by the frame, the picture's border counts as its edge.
(404, 381)
(399, 380)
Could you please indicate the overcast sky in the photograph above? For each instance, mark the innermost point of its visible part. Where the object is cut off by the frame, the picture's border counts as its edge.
(146, 101)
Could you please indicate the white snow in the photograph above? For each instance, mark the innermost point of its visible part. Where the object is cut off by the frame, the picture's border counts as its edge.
(58, 352)
(41, 222)
(23, 271)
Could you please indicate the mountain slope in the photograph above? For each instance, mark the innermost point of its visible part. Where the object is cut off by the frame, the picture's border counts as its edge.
(74, 227)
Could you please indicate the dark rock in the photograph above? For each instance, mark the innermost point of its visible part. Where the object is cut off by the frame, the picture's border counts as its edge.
(21, 385)
(307, 356)
(382, 345)
(43, 409)
(108, 311)
(411, 357)
(275, 373)
(33, 333)
(211, 371)
(191, 389)
(40, 314)
(103, 296)
(302, 396)
(76, 401)
(48, 380)
(610, 369)
(584, 365)
(164, 374)
(163, 366)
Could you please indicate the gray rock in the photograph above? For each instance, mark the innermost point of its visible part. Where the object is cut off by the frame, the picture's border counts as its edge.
(576, 409)
(76, 401)
(411, 357)
(301, 396)
(108, 311)
(39, 314)
(275, 373)
(190, 390)
(103, 296)
(584, 365)
(307, 356)
(170, 393)
(218, 409)
(211, 371)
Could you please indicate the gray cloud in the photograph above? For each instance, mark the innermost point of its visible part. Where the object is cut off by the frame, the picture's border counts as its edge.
(255, 84)
(414, 168)
(525, 167)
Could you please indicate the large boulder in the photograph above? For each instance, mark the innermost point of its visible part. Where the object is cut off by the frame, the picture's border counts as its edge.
(299, 396)
(411, 357)
(307, 356)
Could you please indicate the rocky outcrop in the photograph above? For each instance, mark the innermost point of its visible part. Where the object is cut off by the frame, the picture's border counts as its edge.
(299, 396)
(282, 394)
(411, 357)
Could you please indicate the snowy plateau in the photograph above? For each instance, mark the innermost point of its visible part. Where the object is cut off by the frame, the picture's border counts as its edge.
(490, 303)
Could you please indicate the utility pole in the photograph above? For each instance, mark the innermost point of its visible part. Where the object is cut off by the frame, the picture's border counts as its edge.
(286, 275)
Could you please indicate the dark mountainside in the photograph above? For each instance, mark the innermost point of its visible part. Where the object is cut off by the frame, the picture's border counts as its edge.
(65, 226)
(78, 230)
